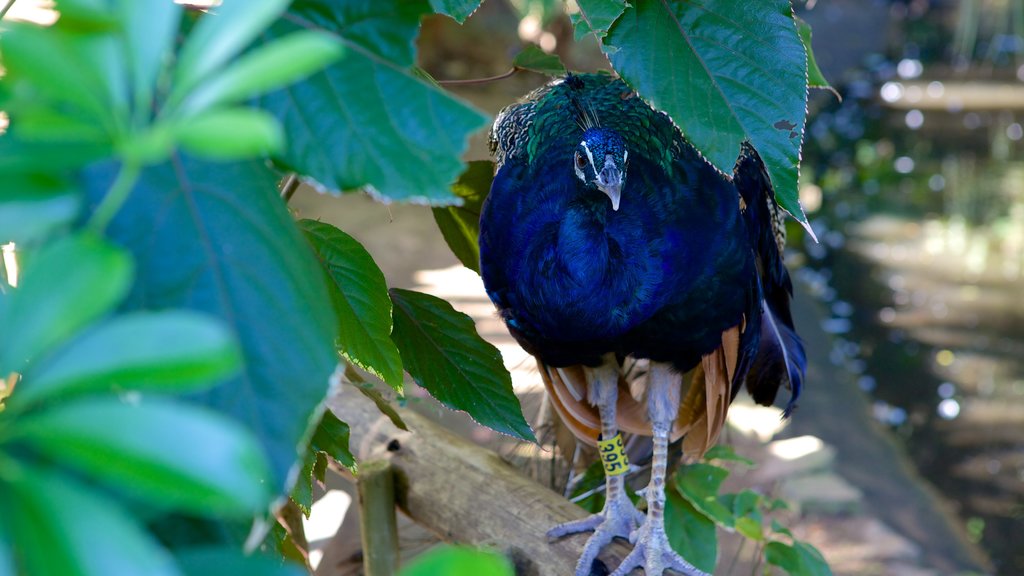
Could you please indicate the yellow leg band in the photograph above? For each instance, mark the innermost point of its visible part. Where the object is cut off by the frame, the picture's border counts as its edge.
(613, 456)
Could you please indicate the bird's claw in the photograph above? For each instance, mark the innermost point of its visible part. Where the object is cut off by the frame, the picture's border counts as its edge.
(652, 552)
(619, 519)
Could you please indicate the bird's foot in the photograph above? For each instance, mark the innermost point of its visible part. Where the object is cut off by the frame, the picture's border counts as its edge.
(619, 519)
(652, 552)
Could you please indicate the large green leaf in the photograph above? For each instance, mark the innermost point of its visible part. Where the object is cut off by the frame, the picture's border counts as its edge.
(149, 27)
(596, 16)
(167, 452)
(237, 255)
(453, 561)
(460, 225)
(366, 120)
(699, 484)
(174, 350)
(360, 296)
(444, 354)
(60, 526)
(800, 559)
(64, 287)
(725, 71)
(691, 533)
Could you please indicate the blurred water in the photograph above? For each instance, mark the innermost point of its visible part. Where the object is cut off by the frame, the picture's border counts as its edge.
(921, 259)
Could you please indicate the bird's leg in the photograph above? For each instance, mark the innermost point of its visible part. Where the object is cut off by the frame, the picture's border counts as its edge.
(651, 550)
(619, 518)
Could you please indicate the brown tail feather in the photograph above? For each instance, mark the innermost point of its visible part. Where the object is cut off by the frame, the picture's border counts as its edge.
(702, 412)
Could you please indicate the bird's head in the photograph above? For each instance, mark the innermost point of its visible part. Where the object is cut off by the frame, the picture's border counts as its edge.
(600, 162)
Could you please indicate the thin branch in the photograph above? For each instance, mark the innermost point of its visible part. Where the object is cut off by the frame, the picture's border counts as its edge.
(470, 81)
(291, 184)
(116, 196)
(3, 11)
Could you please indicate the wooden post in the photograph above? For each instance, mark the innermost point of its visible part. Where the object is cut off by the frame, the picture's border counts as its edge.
(465, 493)
(377, 518)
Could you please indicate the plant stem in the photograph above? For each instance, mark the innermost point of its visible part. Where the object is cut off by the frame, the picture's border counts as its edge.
(3, 11)
(116, 196)
(291, 184)
(511, 71)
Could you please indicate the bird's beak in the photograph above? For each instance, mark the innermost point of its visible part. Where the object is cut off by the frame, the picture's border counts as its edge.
(609, 181)
(613, 191)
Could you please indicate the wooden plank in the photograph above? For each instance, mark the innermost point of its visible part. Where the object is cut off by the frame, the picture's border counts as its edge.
(467, 494)
(378, 524)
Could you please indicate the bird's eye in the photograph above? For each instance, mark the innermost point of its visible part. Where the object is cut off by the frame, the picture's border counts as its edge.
(580, 160)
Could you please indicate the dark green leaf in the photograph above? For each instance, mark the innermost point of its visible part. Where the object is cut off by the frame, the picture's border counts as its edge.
(169, 351)
(230, 134)
(596, 16)
(815, 79)
(219, 36)
(460, 225)
(459, 10)
(62, 527)
(745, 502)
(442, 351)
(35, 205)
(64, 287)
(782, 555)
(239, 256)
(331, 438)
(800, 559)
(368, 122)
(302, 493)
(452, 561)
(812, 563)
(166, 452)
(725, 71)
(266, 68)
(206, 561)
(690, 532)
(699, 483)
(726, 453)
(536, 60)
(384, 28)
(360, 297)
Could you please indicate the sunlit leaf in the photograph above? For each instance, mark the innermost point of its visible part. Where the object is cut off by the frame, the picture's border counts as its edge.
(690, 532)
(699, 483)
(360, 296)
(230, 134)
(35, 205)
(442, 351)
(452, 561)
(166, 452)
(64, 287)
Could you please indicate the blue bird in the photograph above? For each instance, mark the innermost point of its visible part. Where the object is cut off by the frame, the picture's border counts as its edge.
(605, 237)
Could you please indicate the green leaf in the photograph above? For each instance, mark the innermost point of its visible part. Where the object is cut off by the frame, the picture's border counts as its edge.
(745, 502)
(392, 132)
(536, 60)
(35, 205)
(699, 483)
(460, 225)
(238, 256)
(64, 287)
(170, 351)
(690, 532)
(458, 10)
(382, 29)
(815, 79)
(360, 297)
(726, 453)
(62, 527)
(453, 561)
(383, 405)
(800, 559)
(266, 68)
(167, 452)
(725, 71)
(219, 36)
(230, 134)
(780, 529)
(750, 528)
(596, 16)
(204, 561)
(442, 351)
(330, 439)
(149, 27)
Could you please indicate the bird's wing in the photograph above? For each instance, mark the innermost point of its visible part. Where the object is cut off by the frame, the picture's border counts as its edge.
(780, 358)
